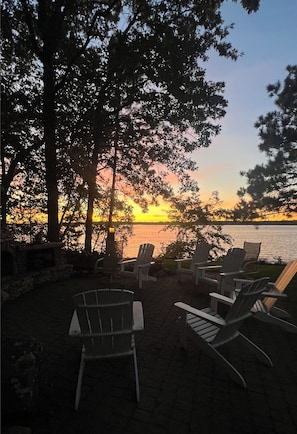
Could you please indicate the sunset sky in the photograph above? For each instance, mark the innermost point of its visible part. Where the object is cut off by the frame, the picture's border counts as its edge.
(268, 40)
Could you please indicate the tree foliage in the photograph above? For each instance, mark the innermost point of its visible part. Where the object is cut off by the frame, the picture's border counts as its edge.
(112, 73)
(193, 221)
(21, 137)
(272, 187)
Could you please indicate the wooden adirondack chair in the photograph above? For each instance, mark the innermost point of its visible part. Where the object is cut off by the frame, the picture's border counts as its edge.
(212, 331)
(251, 259)
(199, 258)
(105, 320)
(230, 268)
(139, 267)
(264, 309)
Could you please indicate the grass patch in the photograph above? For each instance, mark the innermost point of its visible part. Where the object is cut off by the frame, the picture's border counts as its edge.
(264, 270)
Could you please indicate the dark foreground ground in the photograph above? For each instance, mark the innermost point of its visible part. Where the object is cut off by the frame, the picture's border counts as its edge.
(180, 391)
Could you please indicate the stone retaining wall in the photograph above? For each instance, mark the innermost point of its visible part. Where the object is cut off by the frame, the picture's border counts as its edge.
(16, 285)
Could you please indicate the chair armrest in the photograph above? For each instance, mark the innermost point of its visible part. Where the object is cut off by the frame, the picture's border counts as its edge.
(239, 280)
(138, 319)
(145, 265)
(222, 298)
(182, 260)
(186, 307)
(74, 328)
(127, 261)
(274, 295)
(210, 267)
(232, 273)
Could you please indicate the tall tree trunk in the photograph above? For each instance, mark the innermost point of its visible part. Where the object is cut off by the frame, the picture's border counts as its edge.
(4, 197)
(114, 173)
(92, 175)
(49, 119)
(92, 193)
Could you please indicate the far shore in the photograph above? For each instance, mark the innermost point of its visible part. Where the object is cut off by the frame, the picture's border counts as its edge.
(227, 222)
(167, 223)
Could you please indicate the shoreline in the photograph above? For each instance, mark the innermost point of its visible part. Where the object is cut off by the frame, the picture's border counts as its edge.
(225, 223)
(164, 223)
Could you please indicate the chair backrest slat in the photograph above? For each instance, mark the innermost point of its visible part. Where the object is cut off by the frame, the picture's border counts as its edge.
(145, 254)
(241, 309)
(106, 320)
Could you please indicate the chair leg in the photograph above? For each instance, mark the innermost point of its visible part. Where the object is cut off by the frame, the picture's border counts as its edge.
(263, 357)
(79, 380)
(136, 374)
(231, 370)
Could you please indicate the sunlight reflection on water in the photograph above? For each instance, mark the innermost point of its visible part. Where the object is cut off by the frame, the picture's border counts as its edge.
(278, 241)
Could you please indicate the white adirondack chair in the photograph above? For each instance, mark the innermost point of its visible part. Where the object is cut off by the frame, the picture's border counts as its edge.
(230, 268)
(105, 320)
(139, 267)
(264, 309)
(212, 331)
(199, 258)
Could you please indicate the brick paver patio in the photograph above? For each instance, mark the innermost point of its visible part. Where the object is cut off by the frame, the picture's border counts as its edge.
(181, 391)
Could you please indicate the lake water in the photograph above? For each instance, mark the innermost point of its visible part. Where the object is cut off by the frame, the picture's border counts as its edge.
(278, 241)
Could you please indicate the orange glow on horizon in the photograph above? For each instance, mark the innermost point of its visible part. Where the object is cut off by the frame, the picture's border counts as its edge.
(158, 214)
(155, 214)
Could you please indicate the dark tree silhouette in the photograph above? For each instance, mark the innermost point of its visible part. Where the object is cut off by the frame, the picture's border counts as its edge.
(273, 186)
(136, 61)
